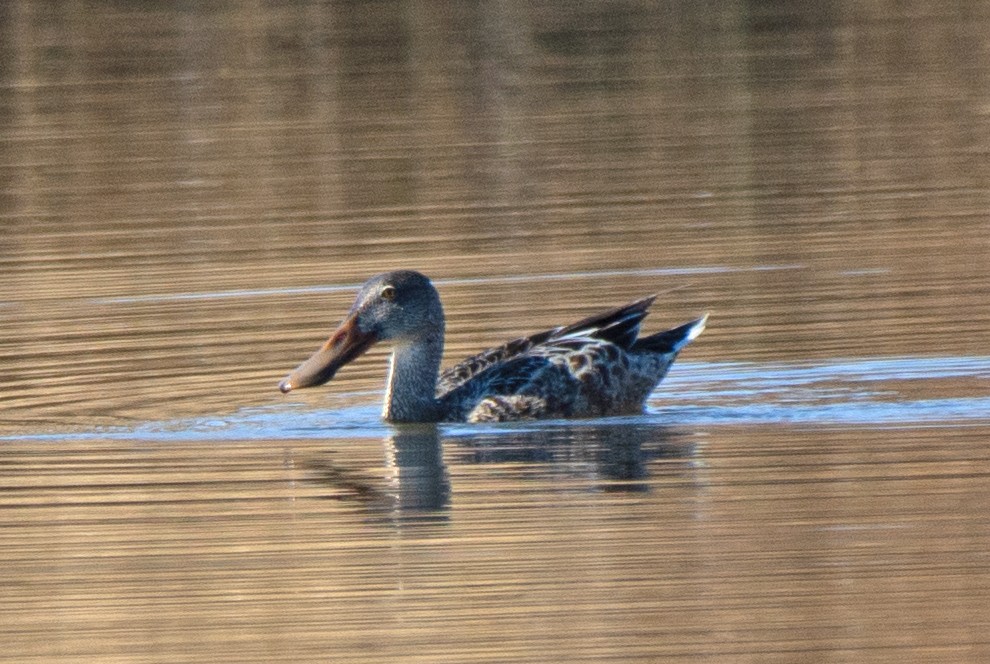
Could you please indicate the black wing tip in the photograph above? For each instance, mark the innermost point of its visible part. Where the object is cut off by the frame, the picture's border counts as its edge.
(619, 326)
(641, 305)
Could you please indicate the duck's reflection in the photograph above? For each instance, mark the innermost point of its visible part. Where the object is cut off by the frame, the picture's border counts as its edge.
(613, 456)
(417, 478)
(417, 487)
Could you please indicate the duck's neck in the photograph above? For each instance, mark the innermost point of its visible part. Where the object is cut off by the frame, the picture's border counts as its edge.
(412, 381)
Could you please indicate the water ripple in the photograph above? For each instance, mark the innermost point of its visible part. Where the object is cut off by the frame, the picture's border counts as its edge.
(860, 391)
(847, 392)
(508, 279)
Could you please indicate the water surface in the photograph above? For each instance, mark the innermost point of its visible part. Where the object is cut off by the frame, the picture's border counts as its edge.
(190, 196)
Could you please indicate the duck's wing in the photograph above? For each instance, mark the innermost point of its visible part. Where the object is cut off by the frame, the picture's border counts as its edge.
(464, 371)
(619, 326)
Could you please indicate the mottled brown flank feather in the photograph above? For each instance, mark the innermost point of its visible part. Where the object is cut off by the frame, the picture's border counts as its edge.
(500, 408)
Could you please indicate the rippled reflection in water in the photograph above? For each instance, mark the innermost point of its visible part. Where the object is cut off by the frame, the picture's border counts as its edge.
(190, 195)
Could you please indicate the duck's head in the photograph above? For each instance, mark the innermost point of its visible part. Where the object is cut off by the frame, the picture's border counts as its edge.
(400, 307)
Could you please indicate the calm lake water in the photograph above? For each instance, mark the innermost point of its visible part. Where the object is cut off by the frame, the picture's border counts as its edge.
(190, 195)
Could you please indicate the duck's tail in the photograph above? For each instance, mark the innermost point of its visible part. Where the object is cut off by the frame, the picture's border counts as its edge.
(673, 340)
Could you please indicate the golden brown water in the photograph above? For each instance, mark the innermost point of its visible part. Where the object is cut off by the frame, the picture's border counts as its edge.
(190, 196)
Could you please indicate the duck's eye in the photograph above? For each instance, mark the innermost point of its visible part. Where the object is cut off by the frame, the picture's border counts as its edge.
(388, 293)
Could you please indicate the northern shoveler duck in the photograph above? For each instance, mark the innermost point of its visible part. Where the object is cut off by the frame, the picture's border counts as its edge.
(595, 367)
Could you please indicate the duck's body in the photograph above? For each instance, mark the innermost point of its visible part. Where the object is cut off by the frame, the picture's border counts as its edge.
(593, 368)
